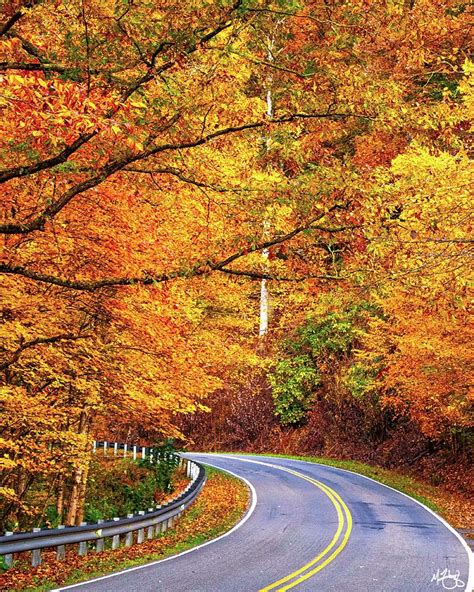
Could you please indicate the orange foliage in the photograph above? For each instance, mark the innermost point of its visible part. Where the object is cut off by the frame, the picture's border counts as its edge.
(138, 168)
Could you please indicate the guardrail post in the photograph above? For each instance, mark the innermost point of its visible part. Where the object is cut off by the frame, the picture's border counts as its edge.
(61, 549)
(157, 526)
(36, 553)
(134, 453)
(115, 448)
(124, 450)
(99, 544)
(141, 531)
(83, 544)
(150, 529)
(116, 538)
(143, 452)
(105, 448)
(163, 525)
(8, 558)
(94, 446)
(129, 535)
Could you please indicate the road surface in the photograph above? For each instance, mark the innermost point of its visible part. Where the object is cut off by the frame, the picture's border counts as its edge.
(311, 528)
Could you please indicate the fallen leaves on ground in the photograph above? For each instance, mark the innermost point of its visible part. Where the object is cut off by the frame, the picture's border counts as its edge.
(220, 504)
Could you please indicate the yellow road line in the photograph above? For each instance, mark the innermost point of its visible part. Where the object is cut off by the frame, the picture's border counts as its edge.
(344, 520)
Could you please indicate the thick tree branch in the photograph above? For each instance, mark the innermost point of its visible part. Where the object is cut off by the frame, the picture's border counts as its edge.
(17, 172)
(112, 167)
(31, 66)
(16, 17)
(255, 275)
(30, 49)
(49, 162)
(15, 356)
(199, 269)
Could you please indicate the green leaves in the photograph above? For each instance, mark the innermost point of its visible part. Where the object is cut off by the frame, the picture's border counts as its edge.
(293, 382)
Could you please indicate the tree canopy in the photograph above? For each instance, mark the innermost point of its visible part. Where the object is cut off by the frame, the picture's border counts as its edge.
(142, 177)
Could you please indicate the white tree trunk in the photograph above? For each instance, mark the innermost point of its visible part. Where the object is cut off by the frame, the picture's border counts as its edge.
(264, 295)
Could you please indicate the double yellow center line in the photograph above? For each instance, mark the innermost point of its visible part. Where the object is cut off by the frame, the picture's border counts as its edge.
(337, 544)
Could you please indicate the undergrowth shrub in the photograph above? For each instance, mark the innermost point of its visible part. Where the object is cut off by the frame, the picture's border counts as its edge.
(121, 487)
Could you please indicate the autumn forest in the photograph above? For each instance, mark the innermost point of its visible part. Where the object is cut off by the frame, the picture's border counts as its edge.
(240, 224)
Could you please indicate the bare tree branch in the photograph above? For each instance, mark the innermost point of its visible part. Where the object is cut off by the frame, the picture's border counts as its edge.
(179, 175)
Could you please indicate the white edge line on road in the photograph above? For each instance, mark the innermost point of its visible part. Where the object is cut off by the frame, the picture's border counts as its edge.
(470, 554)
(233, 529)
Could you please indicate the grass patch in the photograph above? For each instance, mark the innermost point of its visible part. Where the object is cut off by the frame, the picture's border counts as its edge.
(220, 505)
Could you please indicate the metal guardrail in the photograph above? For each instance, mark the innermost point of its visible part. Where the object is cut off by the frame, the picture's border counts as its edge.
(147, 524)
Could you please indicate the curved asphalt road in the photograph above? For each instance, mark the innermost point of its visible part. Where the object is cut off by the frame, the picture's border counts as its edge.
(313, 529)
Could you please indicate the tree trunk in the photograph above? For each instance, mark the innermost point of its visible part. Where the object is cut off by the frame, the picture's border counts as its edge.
(82, 494)
(264, 295)
(75, 507)
(60, 497)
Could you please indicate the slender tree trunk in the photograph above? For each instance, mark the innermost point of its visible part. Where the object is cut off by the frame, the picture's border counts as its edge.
(60, 497)
(264, 294)
(82, 494)
(73, 497)
(79, 478)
